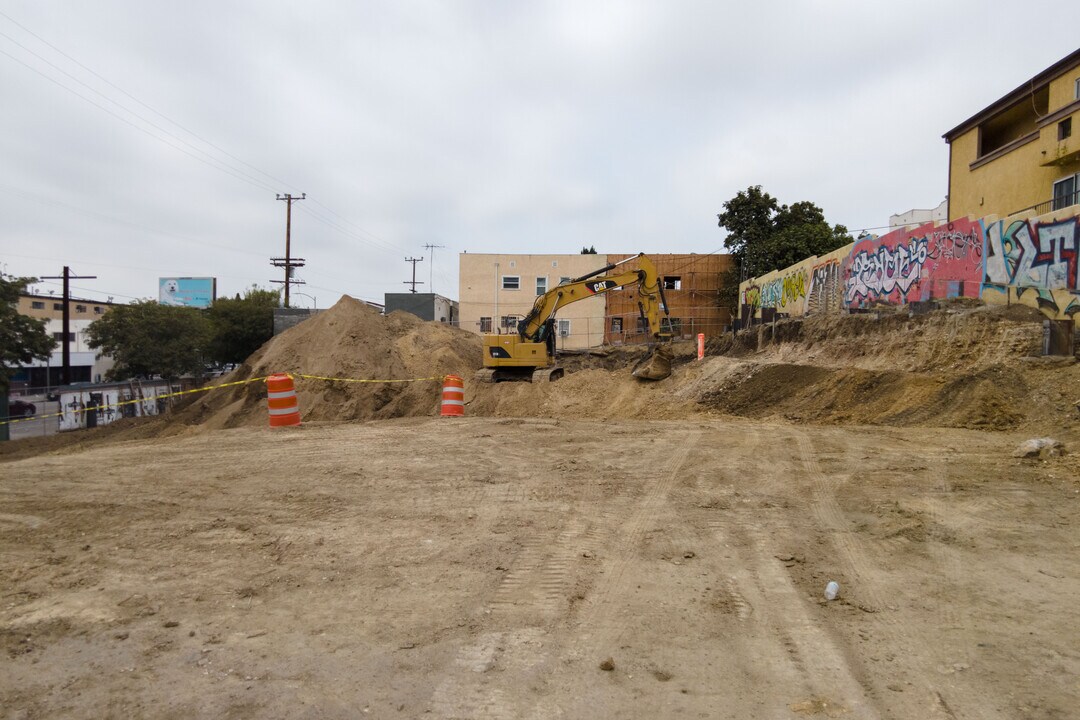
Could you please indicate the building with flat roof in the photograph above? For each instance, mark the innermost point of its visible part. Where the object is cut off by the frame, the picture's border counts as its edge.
(85, 365)
(498, 290)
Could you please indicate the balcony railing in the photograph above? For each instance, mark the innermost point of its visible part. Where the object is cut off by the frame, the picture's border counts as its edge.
(1057, 203)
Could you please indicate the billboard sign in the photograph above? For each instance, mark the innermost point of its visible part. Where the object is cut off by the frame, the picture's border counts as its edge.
(198, 292)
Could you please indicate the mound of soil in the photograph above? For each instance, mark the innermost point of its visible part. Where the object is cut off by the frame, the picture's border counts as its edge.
(350, 340)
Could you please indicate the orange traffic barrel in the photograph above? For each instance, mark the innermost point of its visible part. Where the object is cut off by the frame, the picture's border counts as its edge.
(281, 399)
(453, 397)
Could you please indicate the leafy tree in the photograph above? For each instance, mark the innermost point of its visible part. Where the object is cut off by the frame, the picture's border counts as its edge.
(241, 325)
(22, 338)
(146, 338)
(591, 250)
(764, 235)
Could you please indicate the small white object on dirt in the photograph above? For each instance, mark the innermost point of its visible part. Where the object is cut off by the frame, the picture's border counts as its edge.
(1039, 447)
(832, 590)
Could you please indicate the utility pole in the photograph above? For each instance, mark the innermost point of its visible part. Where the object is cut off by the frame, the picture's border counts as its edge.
(414, 282)
(431, 268)
(65, 371)
(288, 262)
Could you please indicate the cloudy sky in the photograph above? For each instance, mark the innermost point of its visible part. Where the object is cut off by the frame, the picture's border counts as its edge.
(148, 139)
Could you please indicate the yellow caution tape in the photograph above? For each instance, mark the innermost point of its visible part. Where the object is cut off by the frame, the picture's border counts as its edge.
(132, 402)
(351, 380)
(211, 387)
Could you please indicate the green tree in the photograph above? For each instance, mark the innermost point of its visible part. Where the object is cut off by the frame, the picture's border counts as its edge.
(764, 235)
(241, 325)
(22, 338)
(146, 338)
(591, 250)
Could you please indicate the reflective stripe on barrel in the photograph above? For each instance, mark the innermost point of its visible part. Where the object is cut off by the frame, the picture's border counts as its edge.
(281, 401)
(453, 397)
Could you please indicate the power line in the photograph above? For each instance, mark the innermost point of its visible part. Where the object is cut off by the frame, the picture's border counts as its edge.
(221, 165)
(137, 100)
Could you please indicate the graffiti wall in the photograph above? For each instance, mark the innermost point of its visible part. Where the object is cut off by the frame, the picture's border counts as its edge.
(1029, 260)
(1033, 261)
(931, 261)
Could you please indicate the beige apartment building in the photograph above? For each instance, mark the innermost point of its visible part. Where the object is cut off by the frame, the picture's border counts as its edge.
(86, 366)
(498, 290)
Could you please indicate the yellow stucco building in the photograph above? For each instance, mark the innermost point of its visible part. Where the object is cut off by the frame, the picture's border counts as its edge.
(1022, 152)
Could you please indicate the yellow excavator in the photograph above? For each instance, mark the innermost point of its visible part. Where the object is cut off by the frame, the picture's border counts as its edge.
(529, 354)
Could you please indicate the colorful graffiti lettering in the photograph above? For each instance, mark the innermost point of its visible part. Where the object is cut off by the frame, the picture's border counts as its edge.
(823, 294)
(782, 292)
(878, 273)
(752, 297)
(794, 288)
(771, 292)
(1034, 261)
(1035, 258)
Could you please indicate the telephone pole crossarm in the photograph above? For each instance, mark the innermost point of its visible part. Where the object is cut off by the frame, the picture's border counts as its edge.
(414, 282)
(288, 262)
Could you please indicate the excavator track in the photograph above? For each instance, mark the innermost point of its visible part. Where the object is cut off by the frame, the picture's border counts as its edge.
(544, 375)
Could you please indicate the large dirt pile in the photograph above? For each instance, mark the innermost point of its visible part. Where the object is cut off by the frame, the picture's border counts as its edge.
(350, 340)
(959, 366)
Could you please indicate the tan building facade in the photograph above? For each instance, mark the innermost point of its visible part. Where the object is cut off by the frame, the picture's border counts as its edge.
(1022, 153)
(85, 365)
(498, 290)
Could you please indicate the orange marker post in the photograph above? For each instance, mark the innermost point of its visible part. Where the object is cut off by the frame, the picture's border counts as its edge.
(700, 346)
(281, 400)
(453, 397)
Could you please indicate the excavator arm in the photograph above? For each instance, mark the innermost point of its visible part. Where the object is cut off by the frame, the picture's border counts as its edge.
(536, 326)
(531, 353)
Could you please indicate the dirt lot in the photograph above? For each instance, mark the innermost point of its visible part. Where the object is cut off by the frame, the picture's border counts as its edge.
(488, 567)
(595, 547)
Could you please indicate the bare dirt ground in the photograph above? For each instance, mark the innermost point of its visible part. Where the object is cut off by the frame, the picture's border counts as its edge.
(488, 567)
(595, 547)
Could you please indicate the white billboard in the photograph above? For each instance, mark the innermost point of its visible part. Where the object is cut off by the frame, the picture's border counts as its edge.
(199, 292)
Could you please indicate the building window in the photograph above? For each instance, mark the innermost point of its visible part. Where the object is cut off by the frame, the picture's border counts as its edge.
(1065, 192)
(616, 325)
(554, 263)
(59, 336)
(1065, 128)
(58, 306)
(80, 308)
(511, 282)
(672, 282)
(563, 280)
(485, 324)
(37, 305)
(513, 263)
(98, 310)
(541, 285)
(564, 328)
(509, 323)
(1076, 94)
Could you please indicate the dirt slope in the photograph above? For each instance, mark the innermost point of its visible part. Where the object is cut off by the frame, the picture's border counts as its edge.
(350, 340)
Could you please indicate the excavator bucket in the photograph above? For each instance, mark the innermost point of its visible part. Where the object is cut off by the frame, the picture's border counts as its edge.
(656, 365)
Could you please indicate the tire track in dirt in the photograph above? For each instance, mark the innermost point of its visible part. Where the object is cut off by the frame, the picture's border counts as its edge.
(634, 530)
(537, 585)
(861, 571)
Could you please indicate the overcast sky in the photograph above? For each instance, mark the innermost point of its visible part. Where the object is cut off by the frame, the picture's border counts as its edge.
(512, 127)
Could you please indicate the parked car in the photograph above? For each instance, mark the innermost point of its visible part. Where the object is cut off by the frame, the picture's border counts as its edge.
(21, 408)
